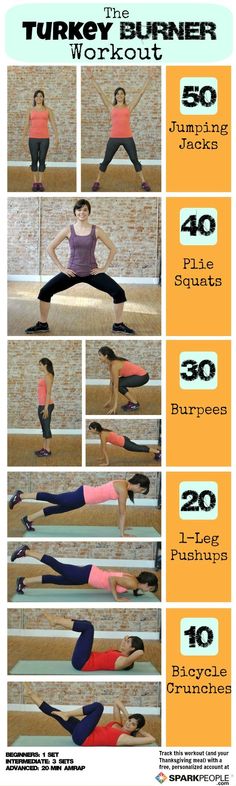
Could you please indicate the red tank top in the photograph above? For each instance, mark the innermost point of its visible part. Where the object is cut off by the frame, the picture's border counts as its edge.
(105, 736)
(102, 661)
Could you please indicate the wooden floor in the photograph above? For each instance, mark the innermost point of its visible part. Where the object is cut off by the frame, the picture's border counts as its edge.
(148, 397)
(119, 457)
(73, 312)
(66, 451)
(35, 723)
(55, 179)
(102, 515)
(21, 568)
(45, 648)
(120, 178)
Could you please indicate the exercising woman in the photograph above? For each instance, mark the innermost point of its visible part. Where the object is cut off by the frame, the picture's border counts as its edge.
(124, 374)
(123, 730)
(109, 437)
(36, 128)
(82, 267)
(85, 659)
(45, 405)
(121, 132)
(119, 490)
(66, 575)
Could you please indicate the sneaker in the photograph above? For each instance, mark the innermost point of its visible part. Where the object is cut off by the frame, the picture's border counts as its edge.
(41, 453)
(20, 586)
(120, 327)
(18, 553)
(95, 186)
(41, 187)
(157, 456)
(145, 186)
(130, 405)
(27, 524)
(35, 187)
(15, 499)
(40, 327)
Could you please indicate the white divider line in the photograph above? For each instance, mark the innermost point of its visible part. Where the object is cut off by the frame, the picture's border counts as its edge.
(123, 161)
(71, 634)
(109, 563)
(68, 707)
(152, 382)
(56, 431)
(138, 441)
(139, 503)
(135, 280)
(50, 164)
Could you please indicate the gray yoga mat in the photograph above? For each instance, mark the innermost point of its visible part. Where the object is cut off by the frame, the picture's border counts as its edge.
(65, 667)
(67, 531)
(79, 596)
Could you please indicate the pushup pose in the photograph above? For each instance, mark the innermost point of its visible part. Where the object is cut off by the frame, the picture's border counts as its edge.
(108, 437)
(65, 574)
(82, 267)
(124, 374)
(82, 724)
(36, 128)
(121, 132)
(120, 490)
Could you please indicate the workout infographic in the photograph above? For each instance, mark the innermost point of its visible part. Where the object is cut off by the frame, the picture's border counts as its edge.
(117, 477)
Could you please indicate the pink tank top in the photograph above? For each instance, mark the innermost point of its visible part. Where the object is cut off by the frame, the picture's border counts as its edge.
(128, 369)
(39, 124)
(120, 123)
(95, 494)
(99, 579)
(42, 392)
(116, 439)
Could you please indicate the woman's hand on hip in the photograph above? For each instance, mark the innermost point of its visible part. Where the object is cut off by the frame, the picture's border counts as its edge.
(97, 270)
(68, 272)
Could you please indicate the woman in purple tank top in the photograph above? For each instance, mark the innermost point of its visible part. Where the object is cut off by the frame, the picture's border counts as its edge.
(82, 267)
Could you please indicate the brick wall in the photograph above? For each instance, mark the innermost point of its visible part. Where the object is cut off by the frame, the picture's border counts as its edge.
(59, 86)
(23, 376)
(133, 225)
(55, 482)
(93, 551)
(145, 620)
(145, 119)
(144, 694)
(145, 353)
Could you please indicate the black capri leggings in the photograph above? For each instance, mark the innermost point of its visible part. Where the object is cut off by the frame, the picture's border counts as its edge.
(112, 146)
(134, 381)
(38, 151)
(101, 281)
(62, 503)
(83, 647)
(46, 422)
(134, 448)
(79, 729)
(68, 574)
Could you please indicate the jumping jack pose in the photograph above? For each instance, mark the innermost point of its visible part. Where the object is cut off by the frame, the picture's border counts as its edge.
(112, 438)
(82, 267)
(45, 405)
(85, 659)
(124, 374)
(121, 132)
(36, 128)
(123, 730)
(66, 574)
(119, 490)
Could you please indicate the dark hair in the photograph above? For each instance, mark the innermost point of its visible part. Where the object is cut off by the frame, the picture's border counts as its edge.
(142, 480)
(97, 427)
(36, 94)
(137, 644)
(107, 352)
(81, 203)
(115, 94)
(48, 363)
(145, 577)
(140, 722)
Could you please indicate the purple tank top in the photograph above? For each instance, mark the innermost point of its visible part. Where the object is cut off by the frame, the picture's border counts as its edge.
(82, 247)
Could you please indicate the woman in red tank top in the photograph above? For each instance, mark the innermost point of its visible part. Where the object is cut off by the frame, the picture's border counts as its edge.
(123, 730)
(112, 438)
(45, 405)
(124, 374)
(36, 128)
(121, 132)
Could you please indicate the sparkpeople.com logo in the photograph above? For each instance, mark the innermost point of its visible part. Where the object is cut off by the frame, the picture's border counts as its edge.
(161, 777)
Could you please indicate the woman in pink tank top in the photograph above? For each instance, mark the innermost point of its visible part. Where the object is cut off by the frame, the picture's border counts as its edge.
(108, 437)
(36, 128)
(124, 374)
(120, 132)
(45, 405)
(120, 490)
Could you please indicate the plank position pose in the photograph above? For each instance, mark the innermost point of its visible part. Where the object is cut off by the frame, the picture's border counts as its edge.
(108, 437)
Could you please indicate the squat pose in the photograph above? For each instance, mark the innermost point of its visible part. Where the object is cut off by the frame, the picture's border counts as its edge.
(45, 405)
(123, 375)
(124, 729)
(119, 490)
(67, 574)
(36, 128)
(112, 438)
(82, 267)
(85, 659)
(121, 132)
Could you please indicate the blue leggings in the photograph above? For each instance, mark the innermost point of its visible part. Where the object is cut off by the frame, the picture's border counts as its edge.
(83, 647)
(79, 729)
(69, 574)
(68, 500)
